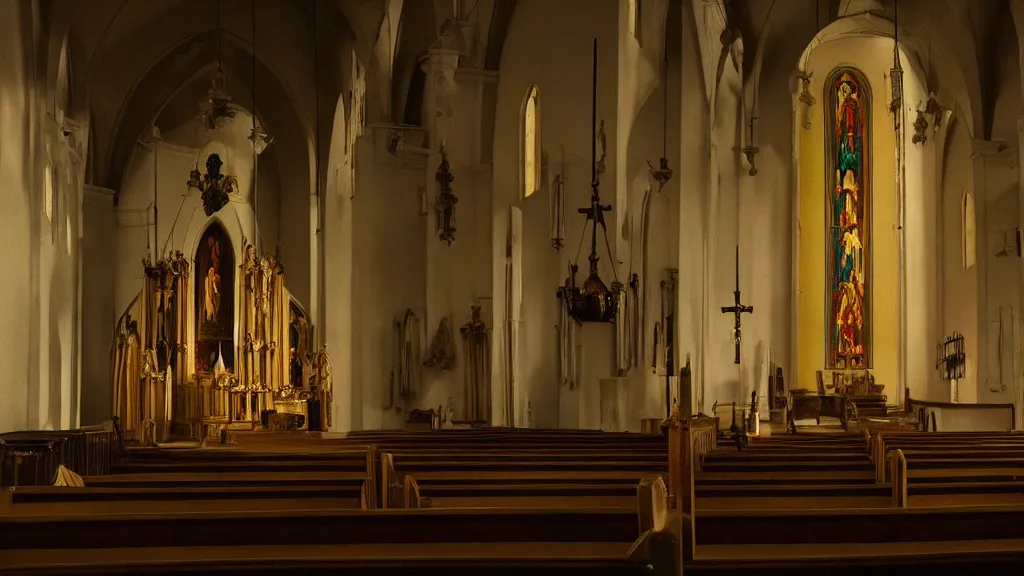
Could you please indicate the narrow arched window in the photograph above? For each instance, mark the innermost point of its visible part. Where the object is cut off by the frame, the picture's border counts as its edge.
(531, 143)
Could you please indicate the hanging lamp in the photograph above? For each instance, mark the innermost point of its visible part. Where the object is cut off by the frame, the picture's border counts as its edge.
(593, 301)
(218, 98)
(662, 174)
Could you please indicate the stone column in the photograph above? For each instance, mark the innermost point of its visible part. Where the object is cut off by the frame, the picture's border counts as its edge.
(693, 173)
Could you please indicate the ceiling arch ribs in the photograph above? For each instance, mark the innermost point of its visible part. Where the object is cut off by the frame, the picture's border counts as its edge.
(140, 35)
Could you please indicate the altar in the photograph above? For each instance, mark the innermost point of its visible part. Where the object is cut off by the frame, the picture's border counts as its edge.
(209, 345)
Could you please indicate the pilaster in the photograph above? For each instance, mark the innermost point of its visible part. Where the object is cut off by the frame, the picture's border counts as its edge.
(986, 155)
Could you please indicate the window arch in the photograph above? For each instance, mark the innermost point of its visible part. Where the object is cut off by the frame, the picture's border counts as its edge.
(531, 142)
(848, 219)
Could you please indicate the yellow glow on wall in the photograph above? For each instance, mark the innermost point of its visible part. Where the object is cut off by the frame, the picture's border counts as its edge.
(811, 218)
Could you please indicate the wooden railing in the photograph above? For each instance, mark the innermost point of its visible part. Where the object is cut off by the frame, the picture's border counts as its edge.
(950, 417)
(32, 458)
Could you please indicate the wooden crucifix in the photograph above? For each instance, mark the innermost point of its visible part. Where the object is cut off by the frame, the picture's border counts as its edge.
(737, 308)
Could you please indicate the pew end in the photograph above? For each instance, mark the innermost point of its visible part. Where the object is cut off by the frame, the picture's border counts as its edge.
(412, 493)
(898, 465)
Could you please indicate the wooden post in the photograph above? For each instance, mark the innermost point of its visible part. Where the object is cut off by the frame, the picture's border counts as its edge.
(898, 466)
(687, 496)
(676, 453)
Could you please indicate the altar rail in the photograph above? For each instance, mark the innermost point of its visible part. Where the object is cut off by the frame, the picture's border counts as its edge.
(32, 458)
(949, 417)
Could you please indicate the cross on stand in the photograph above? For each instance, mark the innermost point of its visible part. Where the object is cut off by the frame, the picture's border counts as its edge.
(738, 309)
(595, 212)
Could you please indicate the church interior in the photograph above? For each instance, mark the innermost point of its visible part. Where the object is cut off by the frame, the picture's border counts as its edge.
(538, 269)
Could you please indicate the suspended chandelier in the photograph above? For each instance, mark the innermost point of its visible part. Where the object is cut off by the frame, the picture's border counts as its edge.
(218, 99)
(592, 302)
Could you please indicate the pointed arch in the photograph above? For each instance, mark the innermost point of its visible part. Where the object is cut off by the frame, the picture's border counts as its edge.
(214, 298)
(530, 142)
(848, 219)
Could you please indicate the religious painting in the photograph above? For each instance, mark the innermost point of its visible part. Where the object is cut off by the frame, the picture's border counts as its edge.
(215, 301)
(300, 337)
(848, 212)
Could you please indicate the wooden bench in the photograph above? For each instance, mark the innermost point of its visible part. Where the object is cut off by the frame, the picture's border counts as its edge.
(601, 541)
(518, 465)
(523, 495)
(346, 494)
(788, 473)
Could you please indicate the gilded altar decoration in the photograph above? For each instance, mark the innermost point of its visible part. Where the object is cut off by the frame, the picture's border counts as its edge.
(446, 201)
(263, 330)
(300, 342)
(150, 351)
(214, 186)
(847, 220)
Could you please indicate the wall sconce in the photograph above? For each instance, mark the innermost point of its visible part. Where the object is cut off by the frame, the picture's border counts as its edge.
(446, 201)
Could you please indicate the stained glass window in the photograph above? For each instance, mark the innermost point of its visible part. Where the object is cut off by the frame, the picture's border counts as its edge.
(848, 212)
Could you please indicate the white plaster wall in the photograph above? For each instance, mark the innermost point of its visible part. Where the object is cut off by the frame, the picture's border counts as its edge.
(457, 276)
(18, 167)
(99, 315)
(959, 286)
(647, 386)
(549, 44)
(38, 367)
(388, 275)
(1002, 269)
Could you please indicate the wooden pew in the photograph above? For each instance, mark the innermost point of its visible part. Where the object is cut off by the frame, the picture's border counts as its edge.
(36, 500)
(792, 497)
(523, 495)
(768, 540)
(785, 473)
(599, 539)
(518, 466)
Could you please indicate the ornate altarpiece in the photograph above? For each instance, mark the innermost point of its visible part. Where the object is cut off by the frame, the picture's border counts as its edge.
(186, 369)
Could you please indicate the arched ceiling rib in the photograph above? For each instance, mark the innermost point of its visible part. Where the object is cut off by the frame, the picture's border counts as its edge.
(179, 69)
(125, 47)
